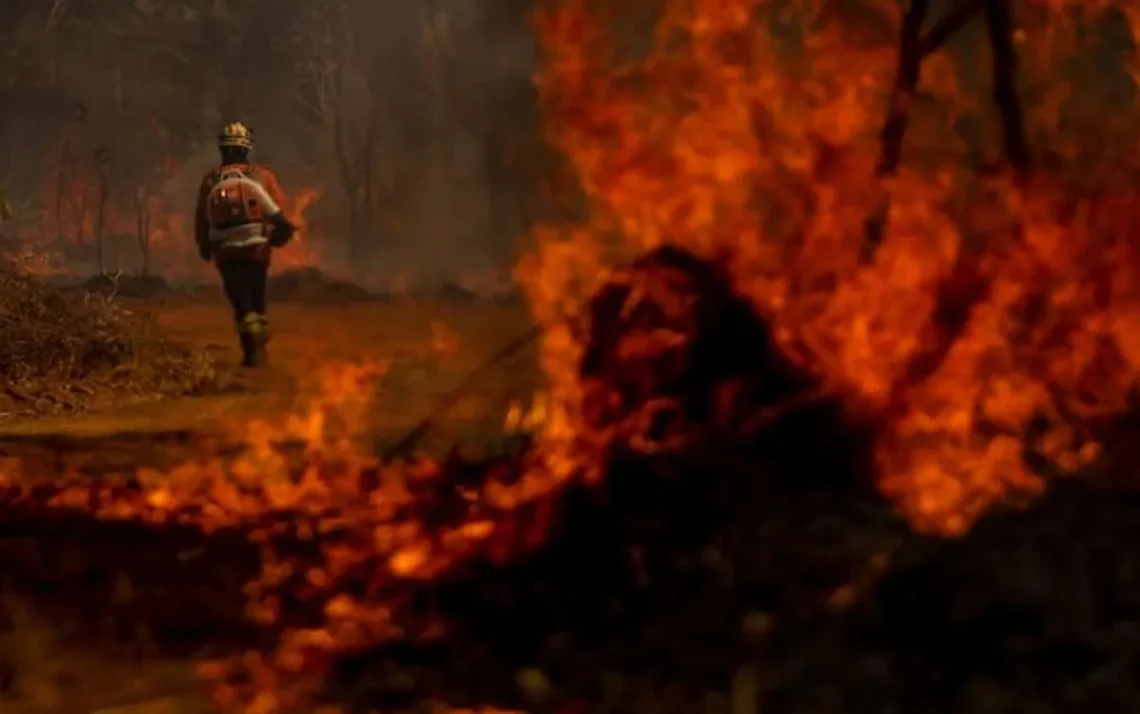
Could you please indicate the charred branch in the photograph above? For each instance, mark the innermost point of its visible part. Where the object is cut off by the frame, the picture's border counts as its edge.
(999, 25)
(914, 47)
(949, 25)
(909, 63)
(894, 129)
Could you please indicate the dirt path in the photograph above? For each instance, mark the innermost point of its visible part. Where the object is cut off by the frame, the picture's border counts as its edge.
(63, 661)
(427, 349)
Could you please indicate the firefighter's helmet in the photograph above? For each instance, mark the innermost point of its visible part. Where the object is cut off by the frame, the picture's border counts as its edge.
(236, 134)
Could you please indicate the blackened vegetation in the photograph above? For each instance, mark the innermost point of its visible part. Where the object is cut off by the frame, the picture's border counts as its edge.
(669, 332)
(733, 552)
(756, 558)
(730, 482)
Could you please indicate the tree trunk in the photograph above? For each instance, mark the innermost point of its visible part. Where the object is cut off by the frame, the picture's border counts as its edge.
(999, 25)
(368, 194)
(348, 165)
(100, 223)
(60, 187)
(906, 81)
(499, 184)
(144, 269)
(352, 187)
(898, 115)
(81, 216)
(142, 231)
(99, 161)
(355, 231)
(913, 49)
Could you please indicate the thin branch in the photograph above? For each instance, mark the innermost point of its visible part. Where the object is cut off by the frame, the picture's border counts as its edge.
(894, 128)
(906, 80)
(914, 47)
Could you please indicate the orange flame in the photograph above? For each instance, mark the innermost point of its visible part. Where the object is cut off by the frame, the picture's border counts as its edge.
(991, 306)
(719, 145)
(148, 231)
(304, 250)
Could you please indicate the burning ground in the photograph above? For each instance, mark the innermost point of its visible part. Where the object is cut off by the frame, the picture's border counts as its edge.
(804, 441)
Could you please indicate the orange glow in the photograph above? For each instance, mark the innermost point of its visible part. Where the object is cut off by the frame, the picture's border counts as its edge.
(719, 146)
(305, 248)
(151, 230)
(444, 341)
(994, 304)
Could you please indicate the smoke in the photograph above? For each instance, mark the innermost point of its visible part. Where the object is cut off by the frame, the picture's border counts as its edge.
(413, 122)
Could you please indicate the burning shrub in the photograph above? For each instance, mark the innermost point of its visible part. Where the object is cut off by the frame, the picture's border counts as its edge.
(673, 355)
(63, 348)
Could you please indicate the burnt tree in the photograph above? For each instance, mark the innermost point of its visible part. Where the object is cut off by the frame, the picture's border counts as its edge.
(142, 230)
(914, 47)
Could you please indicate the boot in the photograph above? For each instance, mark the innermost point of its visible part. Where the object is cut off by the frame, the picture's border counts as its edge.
(260, 357)
(254, 331)
(249, 351)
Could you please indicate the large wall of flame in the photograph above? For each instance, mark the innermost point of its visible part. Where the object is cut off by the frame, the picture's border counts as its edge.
(749, 132)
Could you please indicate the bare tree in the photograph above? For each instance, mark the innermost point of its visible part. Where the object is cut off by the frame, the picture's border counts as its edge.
(372, 130)
(142, 230)
(339, 97)
(101, 160)
(914, 47)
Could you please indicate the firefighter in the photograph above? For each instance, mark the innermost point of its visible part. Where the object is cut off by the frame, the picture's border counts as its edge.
(239, 222)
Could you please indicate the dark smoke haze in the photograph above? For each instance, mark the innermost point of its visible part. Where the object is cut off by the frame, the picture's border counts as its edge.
(413, 119)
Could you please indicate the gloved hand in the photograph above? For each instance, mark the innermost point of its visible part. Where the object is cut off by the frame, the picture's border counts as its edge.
(281, 230)
(204, 251)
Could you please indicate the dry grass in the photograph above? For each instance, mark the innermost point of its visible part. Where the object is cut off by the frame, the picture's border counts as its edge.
(64, 350)
(430, 347)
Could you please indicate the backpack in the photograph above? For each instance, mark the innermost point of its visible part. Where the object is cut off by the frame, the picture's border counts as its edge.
(236, 200)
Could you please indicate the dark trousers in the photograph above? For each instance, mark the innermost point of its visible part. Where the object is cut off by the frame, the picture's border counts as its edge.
(244, 281)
